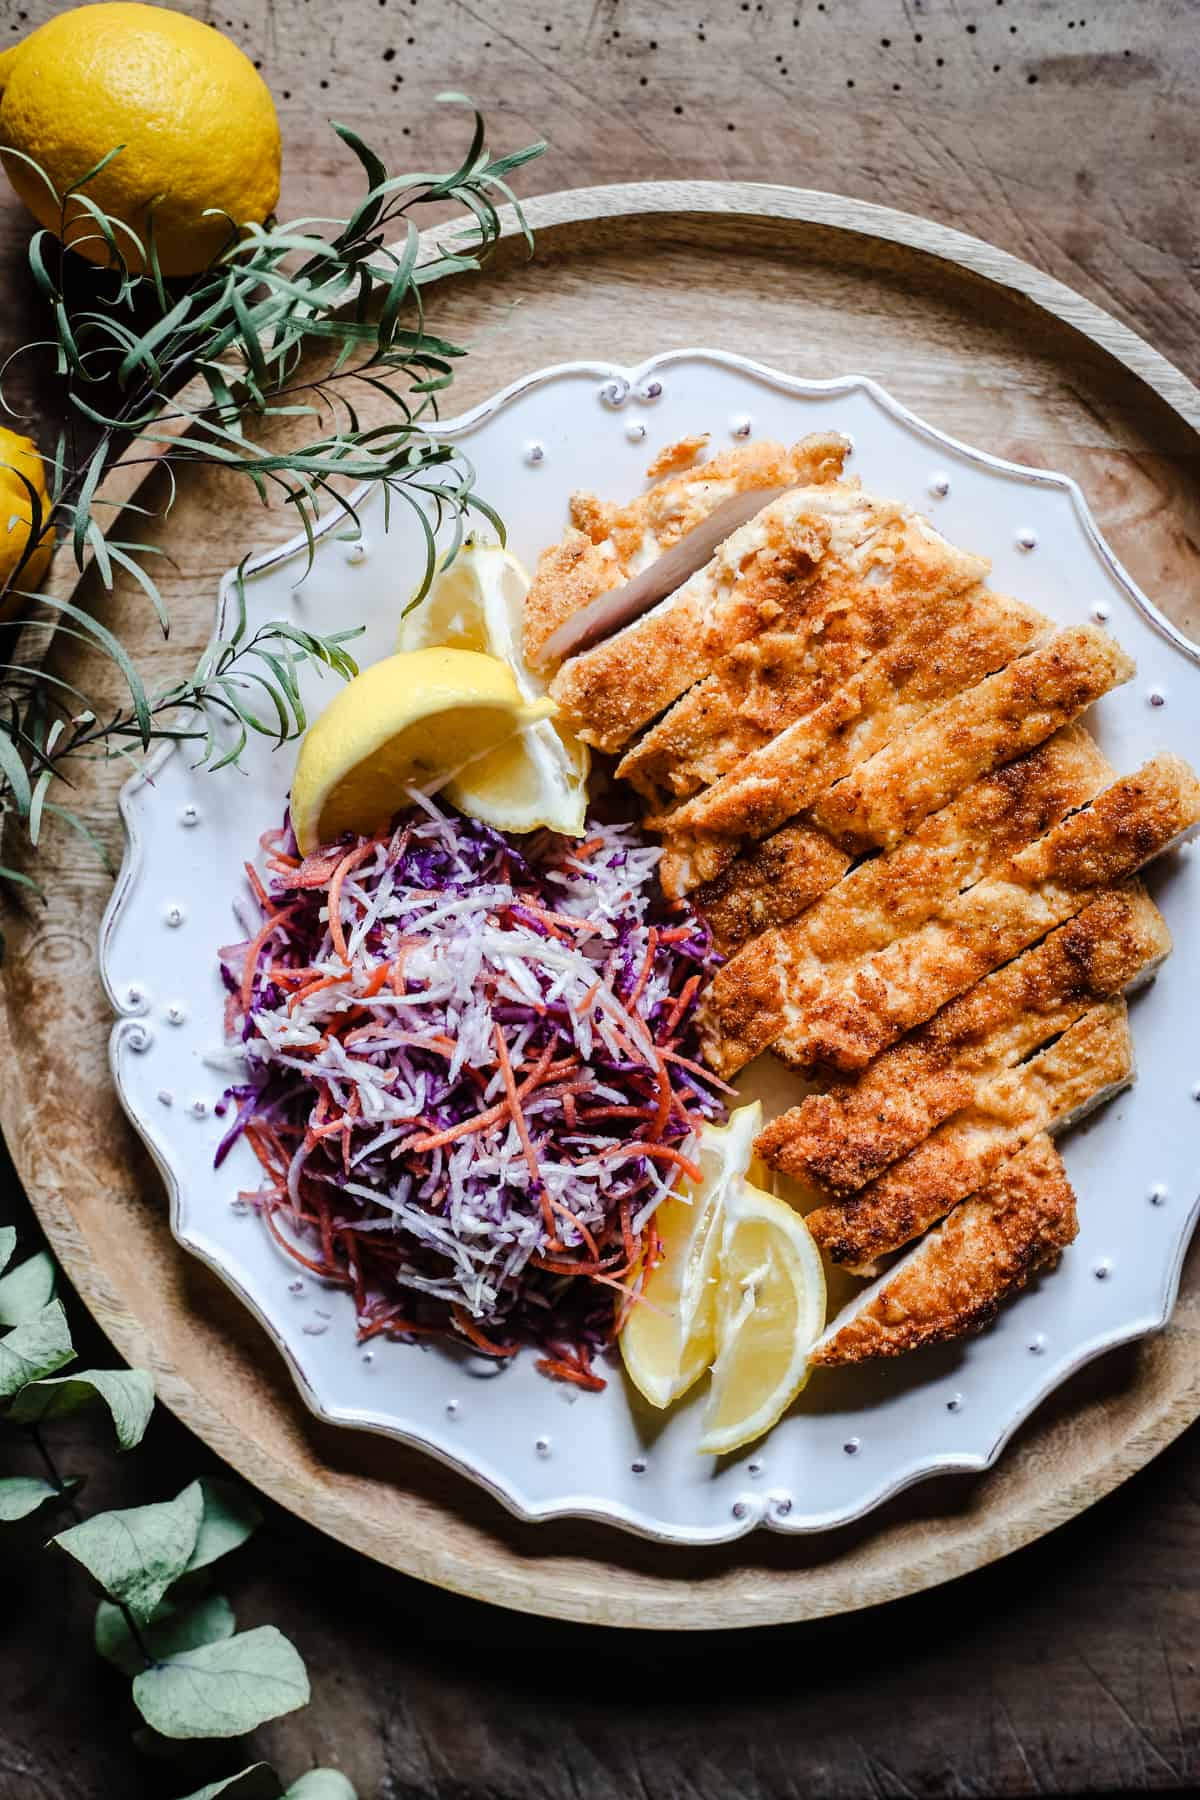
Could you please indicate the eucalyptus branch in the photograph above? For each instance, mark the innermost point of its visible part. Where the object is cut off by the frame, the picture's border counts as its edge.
(160, 1622)
(200, 372)
(72, 1506)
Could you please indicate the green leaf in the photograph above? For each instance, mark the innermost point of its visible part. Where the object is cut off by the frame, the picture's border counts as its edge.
(127, 1393)
(173, 1629)
(38, 1347)
(14, 772)
(258, 1782)
(26, 1289)
(229, 1517)
(21, 1495)
(321, 1784)
(8, 1243)
(223, 1689)
(136, 1554)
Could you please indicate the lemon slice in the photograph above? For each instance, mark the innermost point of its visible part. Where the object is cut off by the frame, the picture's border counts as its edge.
(770, 1311)
(670, 1338)
(407, 721)
(539, 779)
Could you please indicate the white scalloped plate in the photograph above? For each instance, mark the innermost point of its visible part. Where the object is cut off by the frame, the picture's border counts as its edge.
(856, 1436)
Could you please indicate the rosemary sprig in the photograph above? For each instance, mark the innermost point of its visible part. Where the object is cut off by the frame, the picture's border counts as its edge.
(164, 373)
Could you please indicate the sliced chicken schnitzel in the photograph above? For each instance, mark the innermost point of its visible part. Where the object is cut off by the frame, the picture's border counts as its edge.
(776, 879)
(955, 1280)
(608, 544)
(759, 574)
(884, 898)
(978, 730)
(770, 884)
(844, 1021)
(845, 1138)
(952, 643)
(833, 625)
(1090, 1061)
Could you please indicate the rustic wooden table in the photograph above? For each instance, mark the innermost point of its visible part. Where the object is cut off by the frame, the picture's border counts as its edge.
(1071, 140)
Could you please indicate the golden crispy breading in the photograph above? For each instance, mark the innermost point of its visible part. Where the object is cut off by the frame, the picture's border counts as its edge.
(609, 692)
(845, 1020)
(568, 575)
(971, 733)
(632, 535)
(889, 895)
(843, 1139)
(773, 882)
(955, 1280)
(952, 642)
(1092, 1060)
(831, 626)
(682, 455)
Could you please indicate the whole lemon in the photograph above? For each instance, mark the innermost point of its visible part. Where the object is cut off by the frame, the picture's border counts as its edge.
(18, 456)
(194, 117)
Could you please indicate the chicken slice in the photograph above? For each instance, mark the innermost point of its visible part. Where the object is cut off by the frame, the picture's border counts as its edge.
(883, 898)
(952, 643)
(956, 1279)
(607, 545)
(775, 880)
(975, 731)
(829, 628)
(845, 1020)
(756, 576)
(842, 1139)
(768, 886)
(1092, 1060)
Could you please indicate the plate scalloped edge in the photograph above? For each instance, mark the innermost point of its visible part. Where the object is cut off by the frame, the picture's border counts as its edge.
(617, 385)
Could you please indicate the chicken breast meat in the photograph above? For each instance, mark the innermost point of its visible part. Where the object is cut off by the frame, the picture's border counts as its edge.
(956, 1279)
(868, 775)
(1091, 1061)
(608, 544)
(845, 1020)
(840, 1140)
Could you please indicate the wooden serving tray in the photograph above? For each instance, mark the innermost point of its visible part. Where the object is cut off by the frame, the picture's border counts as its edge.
(974, 341)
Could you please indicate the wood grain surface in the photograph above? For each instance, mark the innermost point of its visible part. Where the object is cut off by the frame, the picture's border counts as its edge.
(418, 1693)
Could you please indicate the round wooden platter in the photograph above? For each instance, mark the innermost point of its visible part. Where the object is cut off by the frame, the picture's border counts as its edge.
(979, 344)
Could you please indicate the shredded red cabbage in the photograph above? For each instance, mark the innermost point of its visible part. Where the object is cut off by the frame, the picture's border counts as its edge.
(471, 1073)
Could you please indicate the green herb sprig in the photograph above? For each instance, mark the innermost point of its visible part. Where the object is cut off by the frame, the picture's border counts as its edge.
(168, 374)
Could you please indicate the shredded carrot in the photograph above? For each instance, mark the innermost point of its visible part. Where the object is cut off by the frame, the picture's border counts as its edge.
(565, 1371)
(317, 1268)
(514, 1101)
(254, 951)
(685, 1062)
(350, 861)
(260, 893)
(582, 1006)
(467, 1325)
(665, 1097)
(687, 994)
(660, 1153)
(376, 982)
(315, 987)
(647, 965)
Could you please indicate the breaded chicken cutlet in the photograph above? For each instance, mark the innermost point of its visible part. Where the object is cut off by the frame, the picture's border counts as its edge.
(955, 1280)
(867, 775)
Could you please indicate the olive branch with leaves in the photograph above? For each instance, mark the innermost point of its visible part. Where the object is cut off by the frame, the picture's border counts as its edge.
(162, 374)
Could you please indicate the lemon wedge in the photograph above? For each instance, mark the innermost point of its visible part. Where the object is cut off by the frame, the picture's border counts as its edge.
(770, 1311)
(670, 1337)
(540, 778)
(407, 721)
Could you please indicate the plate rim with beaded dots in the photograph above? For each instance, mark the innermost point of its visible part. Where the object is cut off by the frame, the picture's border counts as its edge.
(857, 1436)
